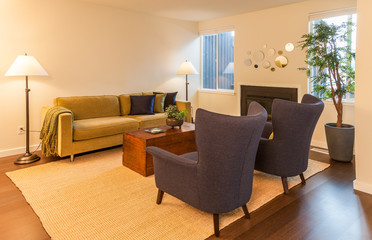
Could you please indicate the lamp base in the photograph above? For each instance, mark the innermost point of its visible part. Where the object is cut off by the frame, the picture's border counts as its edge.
(27, 158)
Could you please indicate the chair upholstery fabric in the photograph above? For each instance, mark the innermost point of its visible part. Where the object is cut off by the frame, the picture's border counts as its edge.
(218, 178)
(293, 124)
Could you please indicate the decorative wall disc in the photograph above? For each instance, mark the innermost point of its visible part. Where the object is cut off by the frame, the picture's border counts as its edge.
(258, 56)
(248, 62)
(289, 47)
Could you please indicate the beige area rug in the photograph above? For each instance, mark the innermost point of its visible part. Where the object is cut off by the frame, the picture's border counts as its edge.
(95, 197)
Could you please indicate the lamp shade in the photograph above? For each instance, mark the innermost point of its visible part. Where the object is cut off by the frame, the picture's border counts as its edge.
(186, 68)
(26, 66)
(229, 68)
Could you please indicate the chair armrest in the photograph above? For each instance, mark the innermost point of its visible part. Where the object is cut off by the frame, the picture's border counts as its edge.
(185, 105)
(174, 174)
(170, 157)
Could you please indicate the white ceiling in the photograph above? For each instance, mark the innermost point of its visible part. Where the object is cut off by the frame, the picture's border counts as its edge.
(193, 10)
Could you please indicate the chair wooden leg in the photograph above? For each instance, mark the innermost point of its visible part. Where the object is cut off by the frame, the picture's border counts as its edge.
(216, 222)
(246, 213)
(285, 185)
(160, 196)
(303, 181)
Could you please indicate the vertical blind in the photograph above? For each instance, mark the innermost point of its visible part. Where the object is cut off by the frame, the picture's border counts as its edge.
(218, 49)
(209, 61)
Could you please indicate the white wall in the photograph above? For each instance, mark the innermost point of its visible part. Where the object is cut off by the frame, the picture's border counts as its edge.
(87, 50)
(363, 109)
(274, 27)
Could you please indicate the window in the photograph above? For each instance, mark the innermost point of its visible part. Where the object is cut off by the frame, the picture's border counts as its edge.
(218, 61)
(338, 20)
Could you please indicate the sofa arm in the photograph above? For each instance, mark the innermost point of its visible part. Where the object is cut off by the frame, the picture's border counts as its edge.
(185, 105)
(65, 129)
(65, 134)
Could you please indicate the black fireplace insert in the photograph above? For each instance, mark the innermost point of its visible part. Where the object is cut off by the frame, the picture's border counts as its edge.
(264, 96)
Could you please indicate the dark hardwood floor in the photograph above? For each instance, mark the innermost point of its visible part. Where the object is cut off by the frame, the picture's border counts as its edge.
(326, 207)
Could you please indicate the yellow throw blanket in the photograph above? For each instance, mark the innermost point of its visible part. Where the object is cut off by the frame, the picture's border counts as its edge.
(49, 131)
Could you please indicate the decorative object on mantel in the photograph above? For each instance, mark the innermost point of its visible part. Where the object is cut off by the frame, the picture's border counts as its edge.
(281, 61)
(327, 49)
(266, 64)
(174, 116)
(26, 66)
(271, 52)
(248, 62)
(187, 68)
(258, 56)
(289, 47)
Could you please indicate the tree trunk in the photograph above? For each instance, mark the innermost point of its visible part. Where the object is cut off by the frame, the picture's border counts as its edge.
(339, 114)
(339, 120)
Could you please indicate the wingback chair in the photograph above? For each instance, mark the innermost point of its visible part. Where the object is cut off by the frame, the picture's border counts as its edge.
(218, 177)
(287, 154)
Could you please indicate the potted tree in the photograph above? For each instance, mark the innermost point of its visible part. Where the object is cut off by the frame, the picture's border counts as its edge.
(174, 116)
(329, 57)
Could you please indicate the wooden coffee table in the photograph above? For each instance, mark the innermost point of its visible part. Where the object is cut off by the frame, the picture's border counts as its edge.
(177, 141)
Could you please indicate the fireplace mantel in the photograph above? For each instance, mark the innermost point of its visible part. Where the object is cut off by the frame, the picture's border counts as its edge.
(264, 96)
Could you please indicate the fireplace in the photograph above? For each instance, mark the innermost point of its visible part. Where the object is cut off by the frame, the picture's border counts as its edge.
(264, 96)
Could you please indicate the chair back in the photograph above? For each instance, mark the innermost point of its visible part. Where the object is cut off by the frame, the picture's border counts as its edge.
(227, 147)
(293, 126)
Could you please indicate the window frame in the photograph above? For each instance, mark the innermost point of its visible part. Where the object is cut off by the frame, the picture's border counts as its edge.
(217, 90)
(329, 14)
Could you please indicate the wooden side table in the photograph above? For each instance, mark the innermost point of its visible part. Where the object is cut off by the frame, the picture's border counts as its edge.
(177, 141)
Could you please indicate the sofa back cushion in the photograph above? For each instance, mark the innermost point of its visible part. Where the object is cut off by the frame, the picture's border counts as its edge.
(90, 106)
(170, 99)
(125, 104)
(159, 102)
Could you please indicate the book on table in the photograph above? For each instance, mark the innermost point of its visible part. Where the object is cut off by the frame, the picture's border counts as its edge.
(154, 130)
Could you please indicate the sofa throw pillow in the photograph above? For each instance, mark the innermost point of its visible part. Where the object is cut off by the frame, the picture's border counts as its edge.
(159, 102)
(142, 104)
(170, 99)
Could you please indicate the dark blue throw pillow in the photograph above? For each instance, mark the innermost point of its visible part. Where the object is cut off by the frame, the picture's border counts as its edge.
(170, 99)
(142, 104)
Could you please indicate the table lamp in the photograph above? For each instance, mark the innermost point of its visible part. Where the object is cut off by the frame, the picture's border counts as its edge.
(26, 66)
(229, 68)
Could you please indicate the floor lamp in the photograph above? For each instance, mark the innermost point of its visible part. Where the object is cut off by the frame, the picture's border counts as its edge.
(26, 66)
(187, 68)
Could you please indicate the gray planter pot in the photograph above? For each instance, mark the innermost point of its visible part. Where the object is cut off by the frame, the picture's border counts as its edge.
(340, 141)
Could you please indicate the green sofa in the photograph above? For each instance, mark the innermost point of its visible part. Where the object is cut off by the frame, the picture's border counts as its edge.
(100, 121)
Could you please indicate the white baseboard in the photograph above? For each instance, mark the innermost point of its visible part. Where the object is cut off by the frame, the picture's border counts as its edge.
(363, 187)
(319, 144)
(16, 151)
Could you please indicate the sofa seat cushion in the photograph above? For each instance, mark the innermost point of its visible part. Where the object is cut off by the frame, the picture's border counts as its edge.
(101, 127)
(148, 121)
